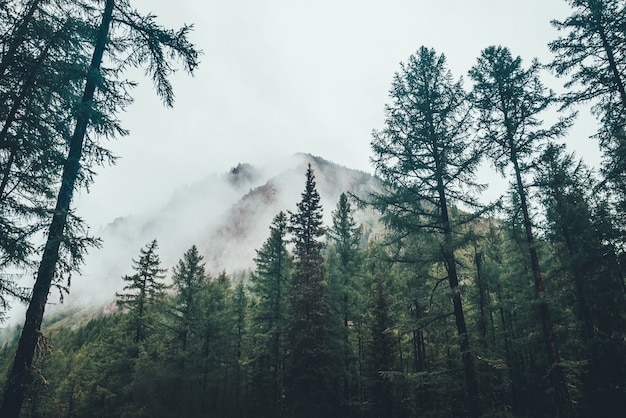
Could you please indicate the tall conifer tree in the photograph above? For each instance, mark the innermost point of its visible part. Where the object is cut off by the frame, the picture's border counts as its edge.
(39, 83)
(269, 285)
(94, 115)
(591, 53)
(344, 262)
(511, 100)
(426, 158)
(145, 291)
(310, 383)
(188, 279)
(595, 284)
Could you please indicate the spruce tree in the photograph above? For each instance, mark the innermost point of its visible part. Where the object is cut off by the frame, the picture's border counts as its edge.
(188, 279)
(145, 292)
(311, 387)
(216, 345)
(382, 348)
(269, 286)
(344, 262)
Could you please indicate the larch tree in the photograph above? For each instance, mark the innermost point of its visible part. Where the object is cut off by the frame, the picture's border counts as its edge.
(511, 100)
(311, 390)
(425, 156)
(125, 39)
(592, 55)
(42, 68)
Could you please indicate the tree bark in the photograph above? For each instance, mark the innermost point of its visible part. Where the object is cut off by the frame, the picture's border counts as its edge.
(18, 38)
(556, 373)
(18, 379)
(473, 396)
(12, 117)
(617, 77)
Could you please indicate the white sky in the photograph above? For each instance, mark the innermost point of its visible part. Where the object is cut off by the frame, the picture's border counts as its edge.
(284, 76)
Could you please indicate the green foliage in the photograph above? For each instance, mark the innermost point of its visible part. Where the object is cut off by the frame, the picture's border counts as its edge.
(311, 353)
(42, 75)
(447, 312)
(425, 148)
(268, 323)
(188, 279)
(81, 103)
(344, 264)
(382, 350)
(510, 100)
(591, 285)
(145, 292)
(591, 53)
(427, 161)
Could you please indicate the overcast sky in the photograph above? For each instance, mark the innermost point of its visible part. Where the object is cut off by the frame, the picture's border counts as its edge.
(284, 76)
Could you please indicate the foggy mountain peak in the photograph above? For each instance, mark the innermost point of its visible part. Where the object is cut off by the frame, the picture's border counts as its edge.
(227, 216)
(243, 175)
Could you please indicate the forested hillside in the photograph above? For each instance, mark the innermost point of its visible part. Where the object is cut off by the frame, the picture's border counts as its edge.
(325, 291)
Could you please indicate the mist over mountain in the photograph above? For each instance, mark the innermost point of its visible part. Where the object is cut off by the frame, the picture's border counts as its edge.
(232, 246)
(226, 216)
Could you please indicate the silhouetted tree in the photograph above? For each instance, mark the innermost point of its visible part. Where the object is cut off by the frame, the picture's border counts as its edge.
(42, 69)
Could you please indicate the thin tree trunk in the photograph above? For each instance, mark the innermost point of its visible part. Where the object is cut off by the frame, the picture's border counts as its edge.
(453, 280)
(6, 171)
(18, 38)
(482, 295)
(617, 77)
(17, 380)
(12, 116)
(278, 375)
(565, 405)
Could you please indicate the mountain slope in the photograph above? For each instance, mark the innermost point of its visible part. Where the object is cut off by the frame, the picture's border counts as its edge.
(227, 216)
(233, 245)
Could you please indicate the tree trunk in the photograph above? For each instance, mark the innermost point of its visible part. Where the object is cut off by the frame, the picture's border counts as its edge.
(565, 405)
(18, 38)
(453, 280)
(17, 380)
(482, 295)
(617, 77)
(12, 117)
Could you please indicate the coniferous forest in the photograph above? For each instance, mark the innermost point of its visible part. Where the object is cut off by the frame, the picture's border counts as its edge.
(458, 308)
